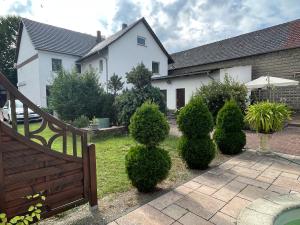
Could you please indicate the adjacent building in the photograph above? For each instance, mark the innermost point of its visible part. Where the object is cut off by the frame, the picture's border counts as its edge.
(42, 50)
(274, 51)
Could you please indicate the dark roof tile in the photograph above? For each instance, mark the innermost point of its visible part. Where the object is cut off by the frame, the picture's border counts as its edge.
(276, 38)
(55, 39)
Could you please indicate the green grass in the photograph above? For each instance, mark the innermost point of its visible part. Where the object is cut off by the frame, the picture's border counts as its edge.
(110, 155)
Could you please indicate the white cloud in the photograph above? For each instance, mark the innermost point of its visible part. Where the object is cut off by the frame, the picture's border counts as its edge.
(180, 24)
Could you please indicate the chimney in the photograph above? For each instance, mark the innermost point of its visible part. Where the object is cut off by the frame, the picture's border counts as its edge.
(124, 25)
(98, 36)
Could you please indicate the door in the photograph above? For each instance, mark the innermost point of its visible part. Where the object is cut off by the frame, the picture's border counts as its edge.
(180, 98)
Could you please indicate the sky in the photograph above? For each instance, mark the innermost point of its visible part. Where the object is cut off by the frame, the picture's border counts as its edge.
(179, 24)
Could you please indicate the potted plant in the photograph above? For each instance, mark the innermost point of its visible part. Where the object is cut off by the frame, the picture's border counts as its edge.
(267, 118)
(94, 123)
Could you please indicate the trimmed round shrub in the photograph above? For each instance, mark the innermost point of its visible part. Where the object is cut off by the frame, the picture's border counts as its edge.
(148, 125)
(147, 166)
(230, 117)
(195, 120)
(197, 152)
(228, 134)
(230, 142)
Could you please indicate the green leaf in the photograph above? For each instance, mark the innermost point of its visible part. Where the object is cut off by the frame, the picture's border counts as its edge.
(31, 208)
(2, 215)
(38, 211)
(36, 196)
(38, 216)
(39, 205)
(43, 198)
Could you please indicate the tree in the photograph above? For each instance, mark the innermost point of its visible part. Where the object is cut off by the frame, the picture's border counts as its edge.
(142, 91)
(196, 122)
(147, 164)
(228, 134)
(216, 93)
(8, 32)
(74, 95)
(115, 84)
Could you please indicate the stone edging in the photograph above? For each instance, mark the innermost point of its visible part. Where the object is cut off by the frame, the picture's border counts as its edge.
(264, 211)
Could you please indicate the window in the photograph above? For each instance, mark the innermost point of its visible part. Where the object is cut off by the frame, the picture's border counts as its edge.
(56, 65)
(101, 66)
(78, 68)
(141, 41)
(155, 67)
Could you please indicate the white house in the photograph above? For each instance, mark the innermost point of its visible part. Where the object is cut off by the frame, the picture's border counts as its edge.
(44, 49)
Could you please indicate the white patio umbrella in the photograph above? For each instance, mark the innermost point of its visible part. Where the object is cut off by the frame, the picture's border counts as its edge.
(270, 83)
(267, 81)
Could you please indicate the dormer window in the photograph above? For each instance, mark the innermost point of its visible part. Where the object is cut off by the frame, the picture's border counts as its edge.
(141, 41)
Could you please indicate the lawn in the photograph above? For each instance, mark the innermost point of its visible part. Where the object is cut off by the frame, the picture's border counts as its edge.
(110, 154)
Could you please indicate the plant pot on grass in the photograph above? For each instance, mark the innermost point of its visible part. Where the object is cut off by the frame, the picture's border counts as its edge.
(267, 118)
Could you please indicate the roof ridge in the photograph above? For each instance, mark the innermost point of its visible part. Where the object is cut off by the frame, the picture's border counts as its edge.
(23, 18)
(244, 34)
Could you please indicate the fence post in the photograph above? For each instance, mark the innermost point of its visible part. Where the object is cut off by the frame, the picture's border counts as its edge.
(2, 194)
(93, 175)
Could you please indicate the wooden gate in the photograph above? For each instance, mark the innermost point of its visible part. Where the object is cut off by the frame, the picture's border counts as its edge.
(29, 164)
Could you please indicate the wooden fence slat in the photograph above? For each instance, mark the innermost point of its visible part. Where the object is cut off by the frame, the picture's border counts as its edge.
(74, 144)
(13, 112)
(26, 121)
(23, 176)
(93, 176)
(2, 196)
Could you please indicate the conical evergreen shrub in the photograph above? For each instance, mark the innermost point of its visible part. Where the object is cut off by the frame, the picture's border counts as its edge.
(147, 164)
(228, 134)
(196, 122)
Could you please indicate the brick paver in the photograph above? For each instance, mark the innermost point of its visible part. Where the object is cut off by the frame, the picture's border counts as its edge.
(218, 195)
(286, 141)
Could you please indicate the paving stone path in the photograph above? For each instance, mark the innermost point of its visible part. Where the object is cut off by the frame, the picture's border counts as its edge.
(218, 195)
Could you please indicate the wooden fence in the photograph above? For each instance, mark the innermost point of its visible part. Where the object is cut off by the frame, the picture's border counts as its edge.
(29, 164)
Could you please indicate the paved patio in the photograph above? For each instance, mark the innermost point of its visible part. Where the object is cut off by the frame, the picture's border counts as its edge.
(218, 195)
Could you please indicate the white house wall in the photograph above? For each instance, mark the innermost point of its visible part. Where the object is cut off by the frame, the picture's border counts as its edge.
(28, 74)
(190, 84)
(125, 53)
(28, 81)
(241, 74)
(45, 70)
(26, 48)
(95, 64)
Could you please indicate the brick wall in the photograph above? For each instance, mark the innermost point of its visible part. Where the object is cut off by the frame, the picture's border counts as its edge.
(285, 64)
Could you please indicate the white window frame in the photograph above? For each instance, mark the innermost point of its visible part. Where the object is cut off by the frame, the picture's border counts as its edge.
(158, 63)
(52, 59)
(137, 41)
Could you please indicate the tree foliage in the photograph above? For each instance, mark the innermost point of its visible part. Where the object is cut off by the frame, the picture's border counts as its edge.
(196, 122)
(142, 91)
(74, 95)
(216, 93)
(8, 32)
(148, 125)
(147, 164)
(115, 84)
(228, 134)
